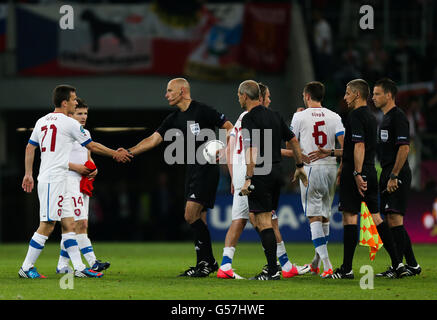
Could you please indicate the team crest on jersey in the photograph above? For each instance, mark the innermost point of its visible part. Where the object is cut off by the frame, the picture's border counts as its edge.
(384, 135)
(195, 128)
(82, 130)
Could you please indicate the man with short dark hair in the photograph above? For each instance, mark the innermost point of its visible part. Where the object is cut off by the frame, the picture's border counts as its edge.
(265, 196)
(358, 179)
(318, 127)
(54, 134)
(395, 180)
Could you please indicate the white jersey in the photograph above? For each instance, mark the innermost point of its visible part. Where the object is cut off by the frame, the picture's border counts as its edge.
(317, 127)
(54, 134)
(238, 157)
(78, 155)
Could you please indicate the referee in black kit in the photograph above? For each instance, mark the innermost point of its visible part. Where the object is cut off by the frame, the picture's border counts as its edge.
(264, 198)
(201, 180)
(395, 181)
(358, 179)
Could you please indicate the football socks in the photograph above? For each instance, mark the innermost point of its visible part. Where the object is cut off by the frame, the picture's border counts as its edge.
(70, 244)
(36, 245)
(86, 248)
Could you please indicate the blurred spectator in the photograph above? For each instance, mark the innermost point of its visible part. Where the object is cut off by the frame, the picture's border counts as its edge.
(376, 59)
(323, 45)
(429, 67)
(417, 125)
(404, 63)
(415, 117)
(431, 107)
(349, 66)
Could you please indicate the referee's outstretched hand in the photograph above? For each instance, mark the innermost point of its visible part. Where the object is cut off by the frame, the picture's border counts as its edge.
(300, 174)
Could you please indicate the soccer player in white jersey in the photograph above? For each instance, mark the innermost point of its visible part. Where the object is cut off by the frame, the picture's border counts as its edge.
(80, 201)
(54, 134)
(240, 205)
(316, 127)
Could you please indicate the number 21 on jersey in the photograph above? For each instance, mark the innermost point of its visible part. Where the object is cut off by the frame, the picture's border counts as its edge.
(54, 131)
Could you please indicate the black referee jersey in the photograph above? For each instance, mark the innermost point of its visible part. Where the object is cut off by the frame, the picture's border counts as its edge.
(263, 119)
(201, 180)
(191, 122)
(266, 195)
(394, 132)
(360, 126)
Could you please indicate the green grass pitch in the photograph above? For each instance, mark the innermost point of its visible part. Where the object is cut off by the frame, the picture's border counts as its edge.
(149, 271)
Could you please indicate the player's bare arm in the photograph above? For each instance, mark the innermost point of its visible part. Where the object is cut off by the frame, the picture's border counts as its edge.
(229, 152)
(93, 174)
(79, 168)
(251, 154)
(401, 157)
(321, 153)
(359, 151)
(300, 172)
(288, 153)
(229, 127)
(120, 155)
(146, 144)
(339, 153)
(29, 157)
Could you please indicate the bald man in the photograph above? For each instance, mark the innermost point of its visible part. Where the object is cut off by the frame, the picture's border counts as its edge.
(201, 180)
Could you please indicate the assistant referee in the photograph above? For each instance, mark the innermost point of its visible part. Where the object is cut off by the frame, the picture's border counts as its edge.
(395, 181)
(272, 131)
(358, 179)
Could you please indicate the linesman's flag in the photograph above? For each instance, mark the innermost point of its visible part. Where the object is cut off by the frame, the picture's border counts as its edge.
(369, 235)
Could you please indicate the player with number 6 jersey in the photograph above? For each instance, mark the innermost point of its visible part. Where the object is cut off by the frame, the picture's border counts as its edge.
(316, 127)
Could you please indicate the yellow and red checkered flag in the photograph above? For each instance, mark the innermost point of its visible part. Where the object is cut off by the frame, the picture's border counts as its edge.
(369, 235)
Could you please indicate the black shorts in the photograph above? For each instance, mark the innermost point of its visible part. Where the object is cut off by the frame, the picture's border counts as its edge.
(265, 197)
(350, 198)
(395, 202)
(201, 183)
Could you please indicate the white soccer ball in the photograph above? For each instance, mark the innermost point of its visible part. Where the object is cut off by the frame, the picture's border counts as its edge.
(211, 149)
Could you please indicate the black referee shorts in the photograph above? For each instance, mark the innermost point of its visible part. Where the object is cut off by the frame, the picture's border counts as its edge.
(201, 183)
(265, 197)
(395, 202)
(350, 198)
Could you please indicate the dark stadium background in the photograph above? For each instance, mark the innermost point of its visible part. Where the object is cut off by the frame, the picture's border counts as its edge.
(125, 206)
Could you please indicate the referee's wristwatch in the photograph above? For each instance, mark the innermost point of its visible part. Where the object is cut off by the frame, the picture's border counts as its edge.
(393, 176)
(248, 177)
(356, 173)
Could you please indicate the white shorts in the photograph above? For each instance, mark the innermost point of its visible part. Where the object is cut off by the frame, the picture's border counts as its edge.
(76, 202)
(52, 200)
(240, 206)
(318, 196)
